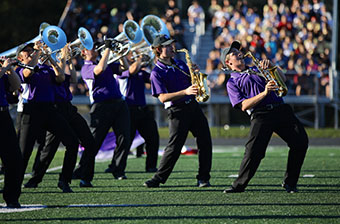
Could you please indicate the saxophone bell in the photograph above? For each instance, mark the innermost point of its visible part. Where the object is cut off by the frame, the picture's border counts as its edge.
(197, 78)
(270, 74)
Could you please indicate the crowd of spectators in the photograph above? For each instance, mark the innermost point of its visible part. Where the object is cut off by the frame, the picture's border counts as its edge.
(295, 34)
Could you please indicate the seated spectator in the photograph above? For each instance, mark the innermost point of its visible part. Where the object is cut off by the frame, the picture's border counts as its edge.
(195, 15)
(213, 61)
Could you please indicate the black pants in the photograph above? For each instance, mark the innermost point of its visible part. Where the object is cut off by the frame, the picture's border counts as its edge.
(182, 119)
(40, 140)
(11, 159)
(283, 122)
(105, 115)
(81, 129)
(143, 121)
(40, 117)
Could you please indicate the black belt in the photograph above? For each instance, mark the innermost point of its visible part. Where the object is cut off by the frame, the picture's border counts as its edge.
(5, 108)
(184, 103)
(267, 107)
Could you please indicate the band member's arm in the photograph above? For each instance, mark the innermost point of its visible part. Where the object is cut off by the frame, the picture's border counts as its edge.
(13, 77)
(136, 66)
(60, 75)
(251, 102)
(124, 64)
(165, 97)
(64, 55)
(73, 73)
(102, 65)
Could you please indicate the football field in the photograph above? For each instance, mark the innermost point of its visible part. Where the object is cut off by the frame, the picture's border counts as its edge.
(180, 201)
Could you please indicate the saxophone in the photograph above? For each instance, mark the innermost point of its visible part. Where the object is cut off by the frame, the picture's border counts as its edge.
(270, 74)
(197, 78)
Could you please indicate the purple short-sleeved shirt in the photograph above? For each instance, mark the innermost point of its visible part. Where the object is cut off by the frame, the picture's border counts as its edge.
(40, 84)
(245, 85)
(3, 88)
(104, 86)
(133, 87)
(168, 79)
(62, 91)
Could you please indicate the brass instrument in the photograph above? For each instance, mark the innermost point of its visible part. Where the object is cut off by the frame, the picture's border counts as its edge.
(198, 79)
(270, 74)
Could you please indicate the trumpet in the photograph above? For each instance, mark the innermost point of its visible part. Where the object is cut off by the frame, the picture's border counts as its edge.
(121, 44)
(270, 74)
(18, 63)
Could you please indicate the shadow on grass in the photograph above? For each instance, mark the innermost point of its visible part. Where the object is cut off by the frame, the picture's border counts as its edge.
(161, 218)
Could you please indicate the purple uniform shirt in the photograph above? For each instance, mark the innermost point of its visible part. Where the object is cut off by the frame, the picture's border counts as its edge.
(167, 79)
(40, 85)
(246, 85)
(134, 88)
(4, 84)
(104, 86)
(62, 91)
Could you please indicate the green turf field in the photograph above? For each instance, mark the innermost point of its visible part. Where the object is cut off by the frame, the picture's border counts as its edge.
(180, 201)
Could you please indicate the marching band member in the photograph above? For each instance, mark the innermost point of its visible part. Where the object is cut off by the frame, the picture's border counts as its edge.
(63, 97)
(10, 153)
(39, 113)
(108, 109)
(132, 86)
(171, 84)
(250, 92)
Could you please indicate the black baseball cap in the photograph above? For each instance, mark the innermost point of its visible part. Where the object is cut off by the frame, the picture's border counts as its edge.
(22, 47)
(235, 44)
(162, 40)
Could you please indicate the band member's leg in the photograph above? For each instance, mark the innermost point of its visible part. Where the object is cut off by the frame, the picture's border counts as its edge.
(82, 130)
(256, 146)
(60, 127)
(44, 160)
(11, 158)
(292, 131)
(200, 129)
(178, 132)
(147, 127)
(121, 128)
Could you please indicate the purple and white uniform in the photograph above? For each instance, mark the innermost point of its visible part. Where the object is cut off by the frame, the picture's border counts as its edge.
(62, 91)
(168, 79)
(104, 86)
(246, 85)
(133, 87)
(40, 85)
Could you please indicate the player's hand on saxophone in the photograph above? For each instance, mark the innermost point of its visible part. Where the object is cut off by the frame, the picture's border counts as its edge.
(191, 90)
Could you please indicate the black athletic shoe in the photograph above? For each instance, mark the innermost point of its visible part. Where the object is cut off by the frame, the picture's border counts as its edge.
(84, 183)
(151, 183)
(109, 170)
(203, 183)
(289, 189)
(64, 186)
(13, 204)
(233, 190)
(31, 184)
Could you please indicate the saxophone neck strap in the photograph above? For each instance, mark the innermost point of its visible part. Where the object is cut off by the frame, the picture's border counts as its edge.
(175, 66)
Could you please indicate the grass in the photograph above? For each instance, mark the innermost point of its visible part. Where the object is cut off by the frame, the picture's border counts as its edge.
(242, 132)
(180, 201)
